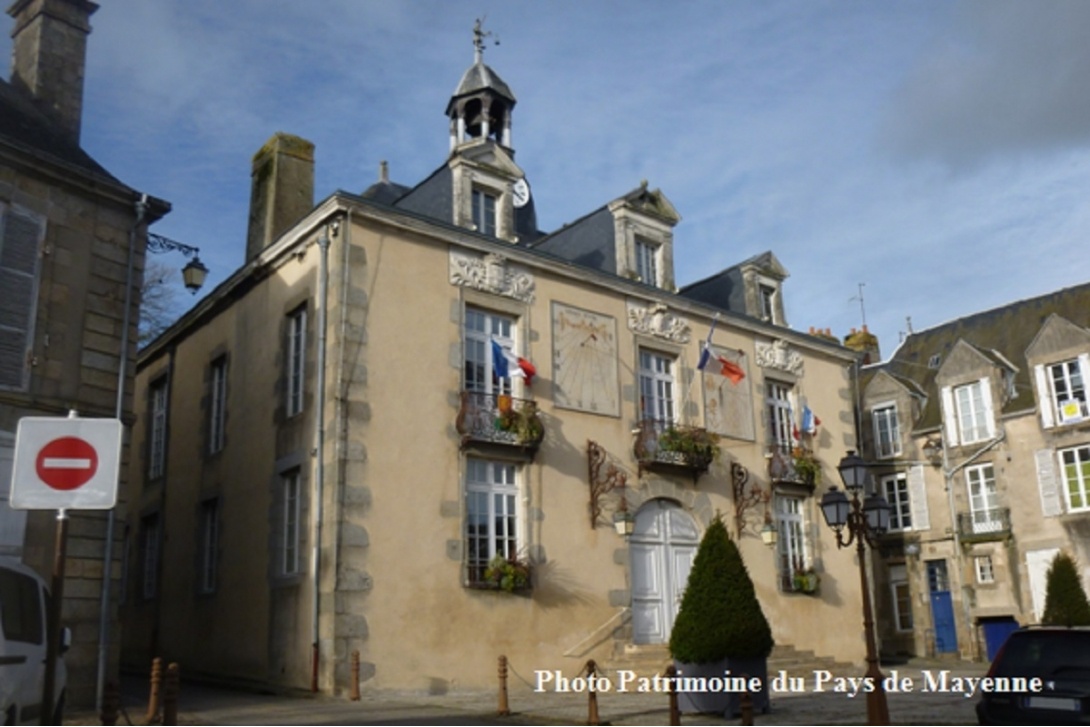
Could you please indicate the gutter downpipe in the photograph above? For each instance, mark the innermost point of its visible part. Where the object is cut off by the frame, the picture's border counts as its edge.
(319, 444)
(141, 206)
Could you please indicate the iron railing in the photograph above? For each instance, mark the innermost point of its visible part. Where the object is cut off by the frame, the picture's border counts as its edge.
(499, 419)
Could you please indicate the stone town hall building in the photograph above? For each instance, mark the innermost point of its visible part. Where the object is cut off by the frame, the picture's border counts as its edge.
(328, 456)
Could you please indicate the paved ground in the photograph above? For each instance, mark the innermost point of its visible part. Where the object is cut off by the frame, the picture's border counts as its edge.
(931, 701)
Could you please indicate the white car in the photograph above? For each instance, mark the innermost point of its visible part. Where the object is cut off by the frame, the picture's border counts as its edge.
(23, 603)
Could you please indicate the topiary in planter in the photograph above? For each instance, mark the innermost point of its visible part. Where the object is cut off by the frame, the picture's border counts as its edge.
(720, 615)
(720, 625)
(1065, 599)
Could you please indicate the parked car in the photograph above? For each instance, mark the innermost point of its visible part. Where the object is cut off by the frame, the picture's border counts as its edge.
(24, 599)
(1041, 675)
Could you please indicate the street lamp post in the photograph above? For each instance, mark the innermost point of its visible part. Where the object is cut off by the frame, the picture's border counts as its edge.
(194, 273)
(865, 521)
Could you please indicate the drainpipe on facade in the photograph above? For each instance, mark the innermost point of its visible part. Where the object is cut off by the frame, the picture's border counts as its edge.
(141, 206)
(319, 443)
(948, 479)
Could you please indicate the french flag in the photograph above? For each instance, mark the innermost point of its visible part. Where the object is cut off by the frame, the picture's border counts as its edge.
(506, 365)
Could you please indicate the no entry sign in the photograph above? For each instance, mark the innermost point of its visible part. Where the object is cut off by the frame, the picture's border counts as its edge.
(65, 464)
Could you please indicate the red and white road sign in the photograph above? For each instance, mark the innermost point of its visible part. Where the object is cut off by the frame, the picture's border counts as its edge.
(63, 464)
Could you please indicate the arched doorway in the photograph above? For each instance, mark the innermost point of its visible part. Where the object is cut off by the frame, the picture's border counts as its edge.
(661, 551)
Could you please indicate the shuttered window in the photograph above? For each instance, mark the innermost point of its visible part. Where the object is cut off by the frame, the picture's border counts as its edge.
(20, 237)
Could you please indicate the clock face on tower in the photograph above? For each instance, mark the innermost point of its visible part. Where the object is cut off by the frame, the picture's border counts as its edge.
(520, 192)
(585, 360)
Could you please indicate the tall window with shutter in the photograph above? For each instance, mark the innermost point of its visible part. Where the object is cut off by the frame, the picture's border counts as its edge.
(20, 239)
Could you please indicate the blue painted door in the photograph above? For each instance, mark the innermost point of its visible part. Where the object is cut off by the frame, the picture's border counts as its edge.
(996, 631)
(942, 607)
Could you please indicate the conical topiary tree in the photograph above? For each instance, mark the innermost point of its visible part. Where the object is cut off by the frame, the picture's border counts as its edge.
(720, 616)
(1065, 600)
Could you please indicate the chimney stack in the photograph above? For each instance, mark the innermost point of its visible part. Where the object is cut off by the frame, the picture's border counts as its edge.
(49, 53)
(282, 189)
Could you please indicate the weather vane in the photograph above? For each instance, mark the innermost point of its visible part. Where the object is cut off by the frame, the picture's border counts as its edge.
(479, 34)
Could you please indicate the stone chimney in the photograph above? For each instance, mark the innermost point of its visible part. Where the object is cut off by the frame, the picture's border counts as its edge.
(865, 342)
(49, 54)
(282, 189)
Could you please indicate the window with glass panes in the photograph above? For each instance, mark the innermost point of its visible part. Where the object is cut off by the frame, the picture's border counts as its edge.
(985, 571)
(973, 413)
(656, 387)
(290, 536)
(157, 431)
(791, 542)
(209, 545)
(778, 406)
(1076, 473)
(647, 264)
(296, 360)
(887, 434)
(484, 212)
(217, 405)
(1068, 391)
(895, 488)
(983, 498)
(480, 328)
(491, 516)
(902, 597)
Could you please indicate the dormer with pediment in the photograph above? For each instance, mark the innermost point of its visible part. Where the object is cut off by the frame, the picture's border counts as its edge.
(890, 407)
(753, 288)
(643, 236)
(483, 179)
(1059, 359)
(974, 385)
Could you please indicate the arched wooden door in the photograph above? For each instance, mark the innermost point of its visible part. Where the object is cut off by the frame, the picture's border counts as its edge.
(661, 551)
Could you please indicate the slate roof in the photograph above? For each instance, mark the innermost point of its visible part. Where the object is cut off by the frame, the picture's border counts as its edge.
(479, 77)
(1007, 331)
(726, 289)
(26, 128)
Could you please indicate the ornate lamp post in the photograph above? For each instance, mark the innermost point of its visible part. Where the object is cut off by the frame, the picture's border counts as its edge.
(194, 273)
(866, 520)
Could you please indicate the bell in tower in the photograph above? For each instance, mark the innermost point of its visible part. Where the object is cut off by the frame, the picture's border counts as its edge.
(481, 106)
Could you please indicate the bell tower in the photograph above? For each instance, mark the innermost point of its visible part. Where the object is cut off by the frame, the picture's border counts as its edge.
(481, 106)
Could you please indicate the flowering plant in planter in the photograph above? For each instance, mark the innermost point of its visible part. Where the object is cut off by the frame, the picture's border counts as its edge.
(806, 465)
(806, 580)
(507, 574)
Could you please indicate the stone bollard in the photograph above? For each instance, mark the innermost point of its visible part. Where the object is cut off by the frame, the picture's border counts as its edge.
(354, 687)
(152, 717)
(111, 703)
(592, 696)
(503, 709)
(675, 713)
(171, 686)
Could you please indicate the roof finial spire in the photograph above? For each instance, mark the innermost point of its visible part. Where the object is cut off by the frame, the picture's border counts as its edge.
(479, 34)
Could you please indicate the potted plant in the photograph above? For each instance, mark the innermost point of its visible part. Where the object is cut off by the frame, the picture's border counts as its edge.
(523, 420)
(807, 467)
(720, 626)
(690, 441)
(507, 574)
(806, 580)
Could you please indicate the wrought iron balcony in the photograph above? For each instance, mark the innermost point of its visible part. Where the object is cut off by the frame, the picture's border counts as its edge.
(795, 466)
(499, 419)
(663, 444)
(983, 525)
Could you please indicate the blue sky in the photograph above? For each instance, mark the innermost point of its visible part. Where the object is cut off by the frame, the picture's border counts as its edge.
(936, 151)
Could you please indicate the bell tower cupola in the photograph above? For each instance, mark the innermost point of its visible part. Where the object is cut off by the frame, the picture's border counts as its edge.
(481, 106)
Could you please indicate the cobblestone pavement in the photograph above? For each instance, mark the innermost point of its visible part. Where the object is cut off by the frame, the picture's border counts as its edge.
(202, 705)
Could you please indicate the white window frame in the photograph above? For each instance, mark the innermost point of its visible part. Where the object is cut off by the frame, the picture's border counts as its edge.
(296, 353)
(792, 546)
(648, 262)
(484, 205)
(209, 546)
(159, 402)
(217, 402)
(887, 431)
(151, 539)
(656, 377)
(1075, 468)
(480, 326)
(493, 526)
(766, 299)
(1069, 405)
(780, 416)
(896, 491)
(983, 498)
(974, 412)
(900, 592)
(984, 568)
(291, 525)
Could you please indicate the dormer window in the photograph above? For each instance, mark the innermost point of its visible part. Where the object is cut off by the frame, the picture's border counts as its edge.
(767, 300)
(484, 212)
(1068, 392)
(973, 409)
(647, 262)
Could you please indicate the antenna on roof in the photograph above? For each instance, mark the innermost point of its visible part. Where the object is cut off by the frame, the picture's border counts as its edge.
(479, 34)
(862, 307)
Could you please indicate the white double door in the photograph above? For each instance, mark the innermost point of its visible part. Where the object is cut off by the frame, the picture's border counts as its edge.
(661, 549)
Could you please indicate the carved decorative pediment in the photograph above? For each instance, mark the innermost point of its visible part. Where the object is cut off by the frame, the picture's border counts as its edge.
(657, 320)
(492, 274)
(779, 355)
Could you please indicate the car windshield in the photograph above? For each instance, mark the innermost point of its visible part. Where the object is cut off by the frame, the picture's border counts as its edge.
(1044, 653)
